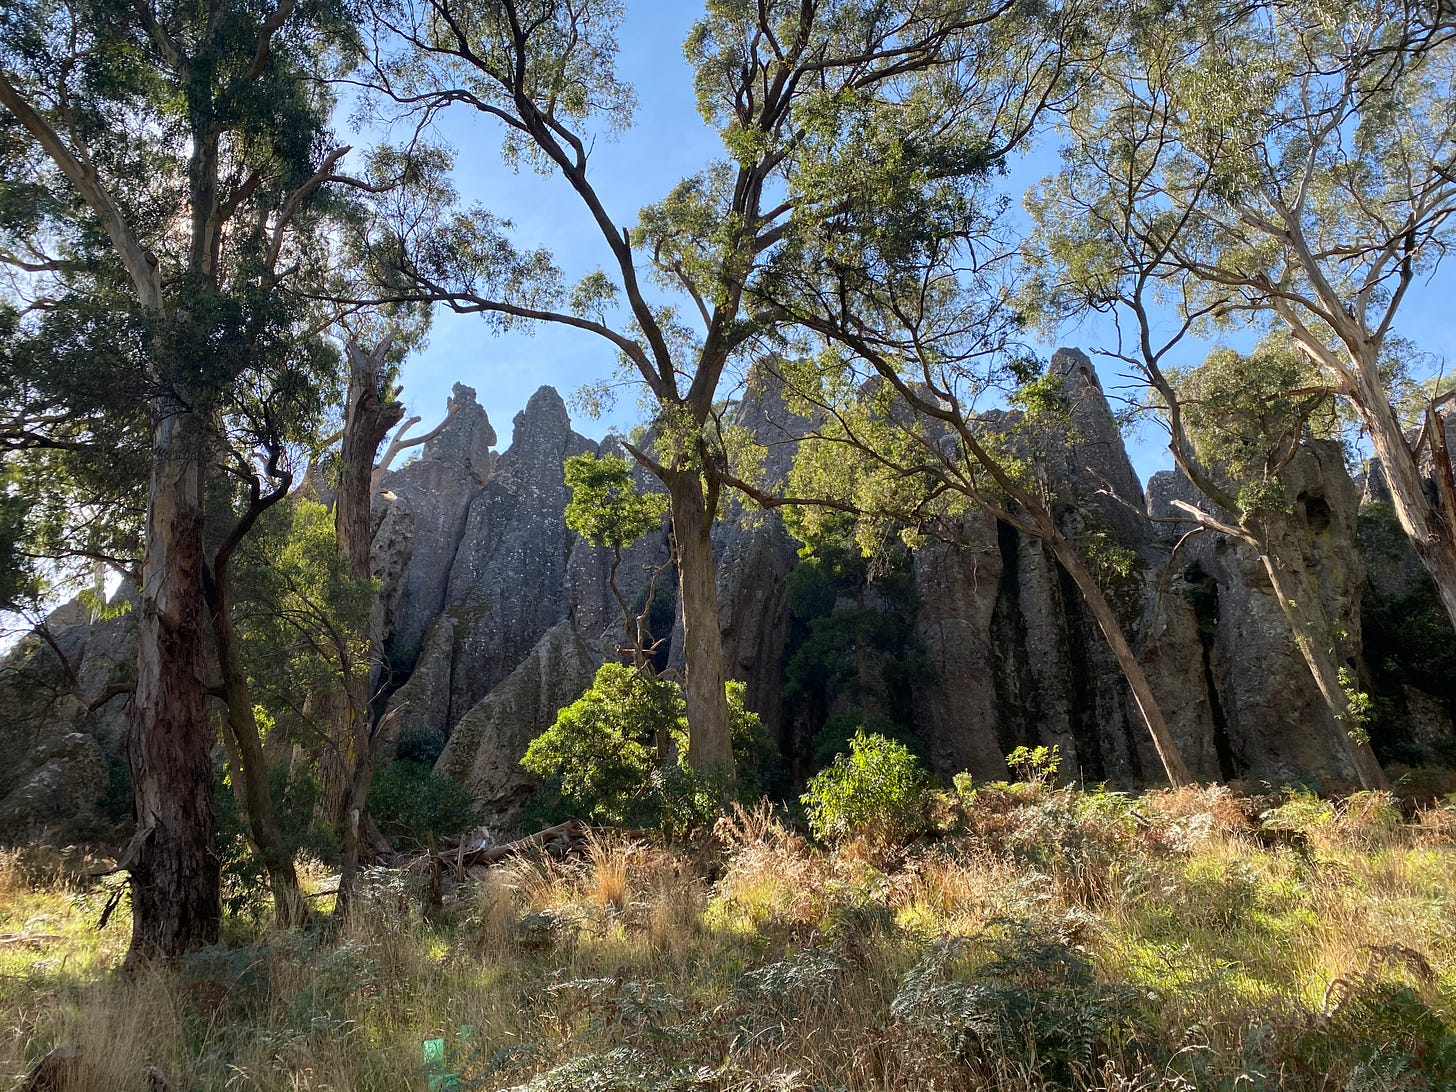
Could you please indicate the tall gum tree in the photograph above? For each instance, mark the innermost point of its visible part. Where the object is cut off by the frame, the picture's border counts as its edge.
(1288, 164)
(183, 173)
(893, 292)
(781, 80)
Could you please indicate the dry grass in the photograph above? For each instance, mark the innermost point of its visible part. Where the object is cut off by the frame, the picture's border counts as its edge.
(1056, 940)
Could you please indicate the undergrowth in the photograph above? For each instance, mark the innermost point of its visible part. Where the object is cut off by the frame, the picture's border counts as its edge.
(1044, 938)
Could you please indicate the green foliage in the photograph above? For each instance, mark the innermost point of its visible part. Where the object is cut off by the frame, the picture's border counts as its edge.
(1357, 714)
(304, 618)
(834, 737)
(606, 509)
(1302, 812)
(410, 802)
(296, 796)
(605, 745)
(878, 787)
(1108, 559)
(852, 646)
(1245, 415)
(1172, 208)
(1035, 764)
(618, 754)
(19, 583)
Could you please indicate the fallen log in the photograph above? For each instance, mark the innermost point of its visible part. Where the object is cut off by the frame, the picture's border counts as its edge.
(570, 834)
(58, 1070)
(559, 840)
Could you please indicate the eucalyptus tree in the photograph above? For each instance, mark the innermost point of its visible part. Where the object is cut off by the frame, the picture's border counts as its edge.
(171, 179)
(1286, 163)
(789, 85)
(892, 287)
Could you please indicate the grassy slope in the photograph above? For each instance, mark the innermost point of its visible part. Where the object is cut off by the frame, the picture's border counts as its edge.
(1050, 939)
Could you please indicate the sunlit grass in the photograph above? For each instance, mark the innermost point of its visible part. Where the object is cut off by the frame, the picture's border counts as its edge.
(1215, 958)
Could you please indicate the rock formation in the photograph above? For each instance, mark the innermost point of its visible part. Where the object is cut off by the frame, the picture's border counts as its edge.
(59, 733)
(495, 615)
(1273, 721)
(486, 746)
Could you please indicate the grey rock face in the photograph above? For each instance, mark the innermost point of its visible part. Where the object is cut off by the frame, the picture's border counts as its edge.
(469, 439)
(1096, 459)
(421, 707)
(754, 560)
(960, 591)
(495, 616)
(1020, 659)
(592, 606)
(1273, 720)
(66, 778)
(485, 749)
(421, 511)
(56, 746)
(507, 584)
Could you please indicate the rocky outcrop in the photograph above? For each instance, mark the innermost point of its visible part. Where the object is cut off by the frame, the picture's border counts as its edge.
(507, 583)
(1021, 663)
(1019, 658)
(1274, 721)
(58, 734)
(420, 517)
(485, 748)
(494, 615)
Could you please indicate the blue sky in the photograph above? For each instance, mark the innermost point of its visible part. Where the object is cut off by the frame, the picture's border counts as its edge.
(668, 142)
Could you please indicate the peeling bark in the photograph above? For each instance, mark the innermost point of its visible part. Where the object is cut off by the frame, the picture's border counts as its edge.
(175, 878)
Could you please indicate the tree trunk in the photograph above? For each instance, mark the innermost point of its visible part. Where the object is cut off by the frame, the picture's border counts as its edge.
(368, 418)
(1142, 691)
(367, 421)
(264, 829)
(1310, 625)
(1431, 527)
(359, 767)
(175, 882)
(710, 740)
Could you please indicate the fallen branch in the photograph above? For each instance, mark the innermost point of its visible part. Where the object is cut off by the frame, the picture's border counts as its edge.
(559, 840)
(560, 837)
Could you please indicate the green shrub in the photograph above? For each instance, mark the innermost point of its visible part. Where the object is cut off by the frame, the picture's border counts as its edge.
(1035, 764)
(245, 889)
(410, 802)
(618, 755)
(833, 739)
(879, 784)
(1303, 812)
